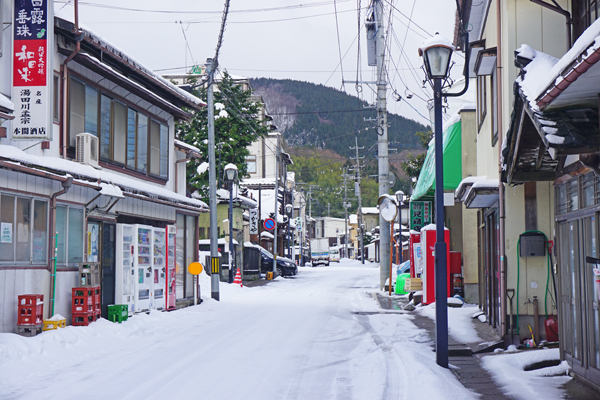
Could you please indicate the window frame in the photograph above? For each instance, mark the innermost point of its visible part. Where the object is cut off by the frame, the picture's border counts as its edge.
(163, 126)
(31, 230)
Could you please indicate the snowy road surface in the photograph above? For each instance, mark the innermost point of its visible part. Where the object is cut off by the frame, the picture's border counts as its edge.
(309, 337)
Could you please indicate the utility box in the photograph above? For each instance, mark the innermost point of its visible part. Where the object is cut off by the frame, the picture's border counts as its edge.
(532, 244)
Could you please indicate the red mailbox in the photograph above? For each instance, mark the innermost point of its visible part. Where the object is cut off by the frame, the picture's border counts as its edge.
(427, 247)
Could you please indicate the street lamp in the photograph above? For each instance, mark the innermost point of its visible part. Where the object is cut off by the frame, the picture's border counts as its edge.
(288, 211)
(230, 173)
(436, 53)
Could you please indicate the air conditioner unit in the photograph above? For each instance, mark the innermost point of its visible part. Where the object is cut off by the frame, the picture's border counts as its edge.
(87, 149)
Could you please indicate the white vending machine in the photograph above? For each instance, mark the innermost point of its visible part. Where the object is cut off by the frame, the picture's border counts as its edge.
(143, 274)
(170, 279)
(159, 267)
(124, 271)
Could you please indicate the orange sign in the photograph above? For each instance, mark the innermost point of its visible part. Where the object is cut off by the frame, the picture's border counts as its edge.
(195, 268)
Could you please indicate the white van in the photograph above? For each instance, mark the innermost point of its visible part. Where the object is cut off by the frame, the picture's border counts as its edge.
(334, 254)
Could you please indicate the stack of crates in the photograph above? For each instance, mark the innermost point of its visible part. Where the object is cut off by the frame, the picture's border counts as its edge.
(118, 312)
(85, 305)
(30, 314)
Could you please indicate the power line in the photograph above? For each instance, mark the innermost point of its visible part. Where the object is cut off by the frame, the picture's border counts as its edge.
(337, 28)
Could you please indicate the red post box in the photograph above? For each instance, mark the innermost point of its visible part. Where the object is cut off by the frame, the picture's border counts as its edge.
(427, 247)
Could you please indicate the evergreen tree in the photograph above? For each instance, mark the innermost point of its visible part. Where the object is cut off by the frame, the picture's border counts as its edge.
(236, 127)
(413, 164)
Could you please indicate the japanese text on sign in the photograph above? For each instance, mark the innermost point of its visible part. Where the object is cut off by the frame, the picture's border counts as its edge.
(420, 214)
(253, 216)
(30, 69)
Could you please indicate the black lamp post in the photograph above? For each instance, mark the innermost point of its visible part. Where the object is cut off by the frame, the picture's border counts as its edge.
(436, 53)
(288, 211)
(230, 173)
(400, 201)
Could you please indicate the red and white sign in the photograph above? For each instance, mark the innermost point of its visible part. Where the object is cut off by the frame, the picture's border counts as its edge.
(269, 224)
(31, 94)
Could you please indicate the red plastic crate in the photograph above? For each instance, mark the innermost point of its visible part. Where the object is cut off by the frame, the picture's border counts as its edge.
(85, 299)
(30, 309)
(83, 319)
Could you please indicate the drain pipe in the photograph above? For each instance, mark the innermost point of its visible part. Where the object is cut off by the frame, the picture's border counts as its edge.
(558, 9)
(64, 74)
(501, 210)
(536, 319)
(52, 266)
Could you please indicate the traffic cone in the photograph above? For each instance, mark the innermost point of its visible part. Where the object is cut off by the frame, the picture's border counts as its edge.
(238, 278)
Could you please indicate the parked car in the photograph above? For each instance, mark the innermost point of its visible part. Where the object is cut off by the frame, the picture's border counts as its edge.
(334, 254)
(285, 266)
(403, 268)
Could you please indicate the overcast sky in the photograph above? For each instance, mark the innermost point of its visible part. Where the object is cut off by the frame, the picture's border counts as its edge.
(294, 39)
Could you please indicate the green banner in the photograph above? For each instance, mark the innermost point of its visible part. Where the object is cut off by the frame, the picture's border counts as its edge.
(420, 214)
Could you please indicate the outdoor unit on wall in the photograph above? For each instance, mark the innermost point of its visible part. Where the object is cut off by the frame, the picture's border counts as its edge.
(87, 149)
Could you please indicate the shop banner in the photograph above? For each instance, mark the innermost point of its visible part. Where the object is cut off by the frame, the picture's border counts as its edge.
(31, 92)
(420, 214)
(253, 214)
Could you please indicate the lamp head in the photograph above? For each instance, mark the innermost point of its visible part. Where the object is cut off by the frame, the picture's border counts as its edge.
(436, 53)
(230, 172)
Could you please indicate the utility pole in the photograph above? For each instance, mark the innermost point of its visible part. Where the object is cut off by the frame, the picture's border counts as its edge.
(357, 192)
(345, 214)
(276, 206)
(382, 133)
(212, 189)
(328, 210)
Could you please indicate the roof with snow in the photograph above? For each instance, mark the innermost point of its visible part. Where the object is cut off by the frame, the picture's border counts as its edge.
(132, 74)
(123, 185)
(555, 110)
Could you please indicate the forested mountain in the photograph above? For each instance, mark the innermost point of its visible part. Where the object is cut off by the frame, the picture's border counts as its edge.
(322, 117)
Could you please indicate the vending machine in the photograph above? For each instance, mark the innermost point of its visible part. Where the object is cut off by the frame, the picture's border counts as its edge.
(143, 279)
(170, 278)
(428, 240)
(124, 271)
(416, 259)
(159, 267)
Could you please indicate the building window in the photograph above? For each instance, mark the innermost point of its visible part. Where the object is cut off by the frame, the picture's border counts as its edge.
(494, 101)
(585, 12)
(126, 136)
(251, 164)
(23, 229)
(481, 101)
(69, 225)
(56, 98)
(202, 233)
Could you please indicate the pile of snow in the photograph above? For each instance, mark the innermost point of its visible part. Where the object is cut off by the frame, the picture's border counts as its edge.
(460, 322)
(508, 371)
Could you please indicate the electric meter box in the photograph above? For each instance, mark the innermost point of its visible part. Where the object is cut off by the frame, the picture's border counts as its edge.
(532, 245)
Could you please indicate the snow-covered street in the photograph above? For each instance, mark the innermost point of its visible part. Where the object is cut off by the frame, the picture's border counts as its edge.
(314, 336)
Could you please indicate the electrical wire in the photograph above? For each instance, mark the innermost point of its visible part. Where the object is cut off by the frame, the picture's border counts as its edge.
(337, 28)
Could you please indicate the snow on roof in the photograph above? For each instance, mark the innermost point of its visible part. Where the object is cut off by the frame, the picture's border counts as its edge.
(110, 190)
(256, 181)
(353, 219)
(468, 107)
(237, 198)
(370, 210)
(6, 103)
(250, 244)
(267, 235)
(189, 147)
(454, 118)
(469, 180)
(88, 172)
(545, 71)
(94, 37)
(486, 184)
(430, 227)
(220, 241)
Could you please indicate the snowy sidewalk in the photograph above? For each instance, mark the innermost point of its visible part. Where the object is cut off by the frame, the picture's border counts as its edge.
(470, 371)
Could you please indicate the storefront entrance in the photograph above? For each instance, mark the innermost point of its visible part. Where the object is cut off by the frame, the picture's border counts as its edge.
(101, 238)
(580, 319)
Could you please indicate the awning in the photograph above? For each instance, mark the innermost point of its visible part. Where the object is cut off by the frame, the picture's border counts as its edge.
(460, 194)
(483, 194)
(452, 143)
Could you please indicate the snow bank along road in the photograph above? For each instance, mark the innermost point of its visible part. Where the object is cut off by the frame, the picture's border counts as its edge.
(316, 336)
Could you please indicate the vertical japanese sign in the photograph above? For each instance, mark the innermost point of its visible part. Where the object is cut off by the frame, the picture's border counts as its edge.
(253, 214)
(420, 214)
(31, 94)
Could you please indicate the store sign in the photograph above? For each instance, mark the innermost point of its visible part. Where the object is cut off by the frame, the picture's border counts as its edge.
(30, 93)
(253, 216)
(420, 214)
(299, 224)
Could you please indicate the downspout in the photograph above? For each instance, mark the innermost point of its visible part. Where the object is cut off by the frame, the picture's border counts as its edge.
(63, 74)
(558, 9)
(501, 210)
(51, 266)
